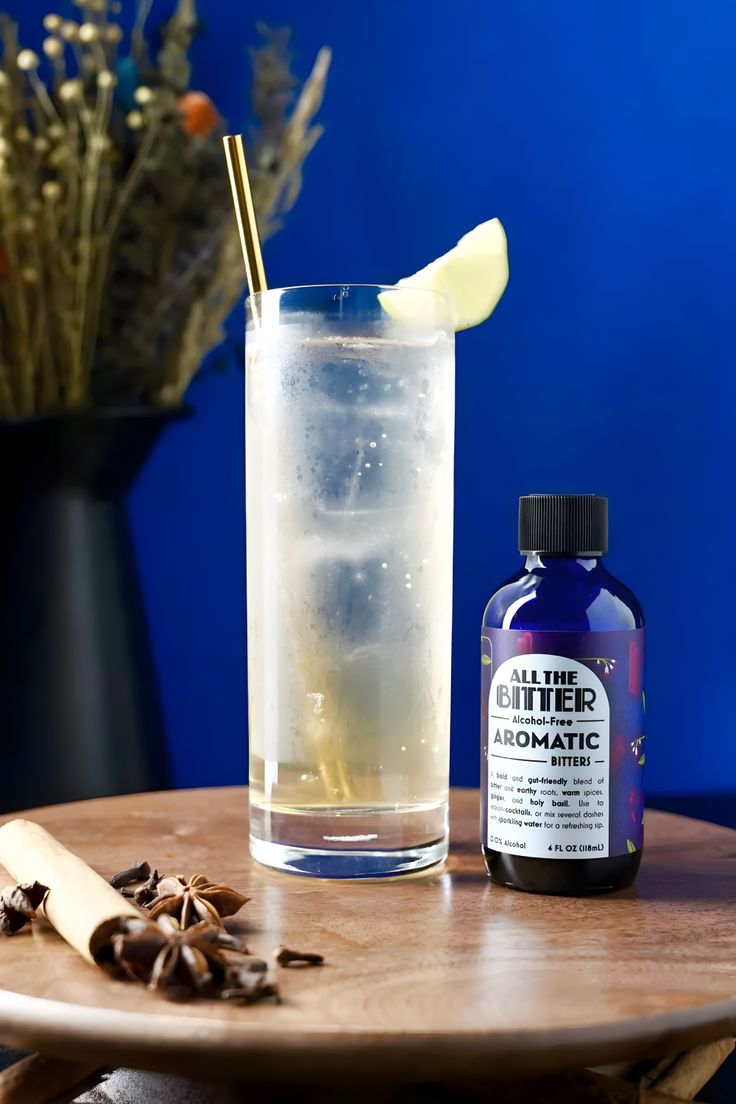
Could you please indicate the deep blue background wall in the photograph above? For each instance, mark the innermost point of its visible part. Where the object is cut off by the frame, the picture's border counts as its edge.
(604, 135)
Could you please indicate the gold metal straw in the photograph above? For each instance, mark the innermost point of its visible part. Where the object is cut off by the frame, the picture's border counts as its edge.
(244, 212)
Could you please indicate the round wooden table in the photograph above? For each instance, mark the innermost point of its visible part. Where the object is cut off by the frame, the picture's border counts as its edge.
(427, 977)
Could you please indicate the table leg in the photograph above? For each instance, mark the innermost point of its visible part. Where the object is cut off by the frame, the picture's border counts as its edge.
(37, 1079)
(684, 1076)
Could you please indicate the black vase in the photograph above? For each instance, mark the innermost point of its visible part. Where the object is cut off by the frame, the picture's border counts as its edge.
(80, 714)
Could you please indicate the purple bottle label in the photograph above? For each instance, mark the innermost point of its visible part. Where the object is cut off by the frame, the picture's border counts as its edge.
(563, 737)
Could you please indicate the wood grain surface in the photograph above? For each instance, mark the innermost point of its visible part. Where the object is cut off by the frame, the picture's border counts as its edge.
(433, 977)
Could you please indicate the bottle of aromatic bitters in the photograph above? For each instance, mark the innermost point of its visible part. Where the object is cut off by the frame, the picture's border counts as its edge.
(562, 709)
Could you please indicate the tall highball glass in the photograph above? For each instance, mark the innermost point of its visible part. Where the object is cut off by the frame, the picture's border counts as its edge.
(349, 496)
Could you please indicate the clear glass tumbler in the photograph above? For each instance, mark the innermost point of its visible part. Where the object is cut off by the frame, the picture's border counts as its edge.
(349, 499)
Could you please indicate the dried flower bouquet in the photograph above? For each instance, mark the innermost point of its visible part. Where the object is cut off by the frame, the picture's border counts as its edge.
(119, 255)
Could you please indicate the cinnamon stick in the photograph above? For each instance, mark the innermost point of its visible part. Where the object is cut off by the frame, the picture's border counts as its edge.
(81, 905)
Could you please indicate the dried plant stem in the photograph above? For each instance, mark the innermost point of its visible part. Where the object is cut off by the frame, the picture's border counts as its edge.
(133, 178)
(59, 275)
(178, 287)
(275, 192)
(137, 38)
(309, 103)
(84, 333)
(59, 66)
(78, 56)
(72, 172)
(6, 395)
(204, 325)
(18, 317)
(105, 238)
(100, 57)
(43, 98)
(39, 337)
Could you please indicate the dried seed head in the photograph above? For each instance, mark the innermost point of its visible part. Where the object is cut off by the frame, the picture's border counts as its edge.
(106, 79)
(22, 135)
(197, 114)
(89, 32)
(27, 225)
(70, 90)
(40, 144)
(86, 114)
(58, 156)
(4, 82)
(52, 23)
(52, 47)
(29, 274)
(69, 31)
(143, 95)
(55, 132)
(96, 5)
(51, 191)
(5, 148)
(134, 119)
(99, 143)
(27, 60)
(113, 33)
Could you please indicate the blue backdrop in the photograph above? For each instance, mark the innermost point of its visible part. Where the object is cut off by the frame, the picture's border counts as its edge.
(604, 135)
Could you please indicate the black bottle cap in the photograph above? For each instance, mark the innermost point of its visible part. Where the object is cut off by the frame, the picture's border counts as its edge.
(565, 524)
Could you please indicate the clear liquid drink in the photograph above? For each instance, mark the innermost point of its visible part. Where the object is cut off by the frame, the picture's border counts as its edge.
(349, 477)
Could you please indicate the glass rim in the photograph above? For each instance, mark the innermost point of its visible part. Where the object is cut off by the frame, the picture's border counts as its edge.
(258, 295)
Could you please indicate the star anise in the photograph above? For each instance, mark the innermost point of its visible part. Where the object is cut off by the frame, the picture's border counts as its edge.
(18, 904)
(163, 954)
(194, 899)
(202, 960)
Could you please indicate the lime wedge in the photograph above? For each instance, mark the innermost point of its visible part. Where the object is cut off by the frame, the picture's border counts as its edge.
(472, 277)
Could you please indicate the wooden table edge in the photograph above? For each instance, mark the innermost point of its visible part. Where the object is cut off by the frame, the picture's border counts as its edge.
(189, 1044)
